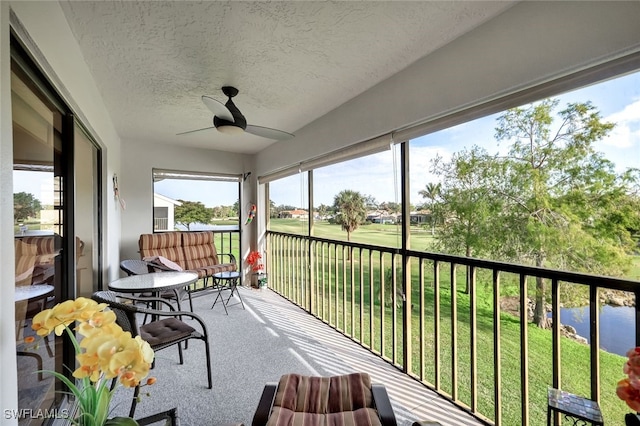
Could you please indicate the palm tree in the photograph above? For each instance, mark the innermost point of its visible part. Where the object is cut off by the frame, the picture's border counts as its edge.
(431, 192)
(350, 206)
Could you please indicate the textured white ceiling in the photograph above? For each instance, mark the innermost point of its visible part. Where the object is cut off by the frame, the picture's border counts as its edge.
(292, 61)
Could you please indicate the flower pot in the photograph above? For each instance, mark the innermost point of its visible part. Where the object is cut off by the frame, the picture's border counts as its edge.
(261, 280)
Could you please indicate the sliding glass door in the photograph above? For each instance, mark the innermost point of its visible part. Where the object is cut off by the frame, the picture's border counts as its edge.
(56, 185)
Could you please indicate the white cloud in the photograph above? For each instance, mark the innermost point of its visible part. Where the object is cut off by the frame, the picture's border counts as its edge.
(630, 112)
(626, 133)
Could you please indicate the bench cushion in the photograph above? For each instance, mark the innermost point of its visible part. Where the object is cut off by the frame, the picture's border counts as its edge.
(362, 417)
(166, 244)
(337, 400)
(199, 249)
(192, 251)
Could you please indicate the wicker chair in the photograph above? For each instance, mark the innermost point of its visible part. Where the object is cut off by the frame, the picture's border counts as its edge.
(159, 333)
(140, 267)
(350, 399)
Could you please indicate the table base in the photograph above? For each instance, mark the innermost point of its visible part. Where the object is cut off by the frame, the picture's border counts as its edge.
(221, 284)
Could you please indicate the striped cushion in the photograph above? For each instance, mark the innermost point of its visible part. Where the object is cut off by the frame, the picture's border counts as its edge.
(166, 244)
(25, 255)
(46, 249)
(337, 400)
(361, 417)
(199, 250)
(193, 251)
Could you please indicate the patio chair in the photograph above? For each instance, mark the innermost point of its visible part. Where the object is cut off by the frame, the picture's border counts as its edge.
(159, 333)
(349, 399)
(139, 267)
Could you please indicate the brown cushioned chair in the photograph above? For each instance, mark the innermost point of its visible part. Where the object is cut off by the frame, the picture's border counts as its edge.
(160, 333)
(349, 399)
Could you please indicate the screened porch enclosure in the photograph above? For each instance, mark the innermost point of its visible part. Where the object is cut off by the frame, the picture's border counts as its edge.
(488, 359)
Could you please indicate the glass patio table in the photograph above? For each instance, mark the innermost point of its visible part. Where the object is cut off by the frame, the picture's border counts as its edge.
(154, 283)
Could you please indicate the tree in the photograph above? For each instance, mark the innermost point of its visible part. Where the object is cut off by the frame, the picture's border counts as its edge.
(370, 202)
(555, 180)
(551, 201)
(323, 210)
(431, 192)
(25, 206)
(465, 203)
(393, 207)
(350, 206)
(276, 212)
(191, 212)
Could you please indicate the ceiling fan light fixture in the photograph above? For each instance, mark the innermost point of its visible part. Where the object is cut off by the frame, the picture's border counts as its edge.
(230, 129)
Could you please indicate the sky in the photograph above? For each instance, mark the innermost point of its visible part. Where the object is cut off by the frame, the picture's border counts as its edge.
(618, 101)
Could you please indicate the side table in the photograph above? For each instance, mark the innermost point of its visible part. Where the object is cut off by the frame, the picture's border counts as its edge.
(573, 406)
(226, 281)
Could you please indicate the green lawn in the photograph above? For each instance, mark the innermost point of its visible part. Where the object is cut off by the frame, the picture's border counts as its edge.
(349, 312)
(376, 234)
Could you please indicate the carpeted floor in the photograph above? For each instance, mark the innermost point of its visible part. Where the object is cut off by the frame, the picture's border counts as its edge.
(256, 345)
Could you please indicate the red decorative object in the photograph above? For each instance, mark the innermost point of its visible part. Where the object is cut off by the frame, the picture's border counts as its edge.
(253, 260)
(628, 389)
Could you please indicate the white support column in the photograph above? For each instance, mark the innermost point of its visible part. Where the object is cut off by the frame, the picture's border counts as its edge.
(9, 378)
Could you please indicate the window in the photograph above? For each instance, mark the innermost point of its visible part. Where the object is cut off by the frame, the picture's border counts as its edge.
(373, 181)
(194, 201)
(289, 205)
(484, 192)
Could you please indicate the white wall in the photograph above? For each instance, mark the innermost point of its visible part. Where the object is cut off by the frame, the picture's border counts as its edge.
(530, 43)
(8, 372)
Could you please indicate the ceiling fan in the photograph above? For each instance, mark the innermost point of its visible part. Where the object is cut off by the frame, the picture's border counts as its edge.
(228, 119)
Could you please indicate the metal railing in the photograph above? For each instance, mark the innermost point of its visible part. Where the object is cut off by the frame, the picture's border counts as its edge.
(431, 326)
(161, 224)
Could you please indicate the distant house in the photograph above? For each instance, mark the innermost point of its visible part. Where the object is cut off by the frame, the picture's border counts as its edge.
(294, 214)
(381, 216)
(164, 212)
(420, 218)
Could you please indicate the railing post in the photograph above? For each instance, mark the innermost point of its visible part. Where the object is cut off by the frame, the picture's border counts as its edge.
(406, 260)
(311, 269)
(637, 297)
(594, 332)
(473, 331)
(524, 350)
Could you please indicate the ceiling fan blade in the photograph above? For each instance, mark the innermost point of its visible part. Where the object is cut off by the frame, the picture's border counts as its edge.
(268, 133)
(193, 131)
(217, 108)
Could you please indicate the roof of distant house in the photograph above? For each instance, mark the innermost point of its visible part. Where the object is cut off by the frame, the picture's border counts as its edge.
(166, 199)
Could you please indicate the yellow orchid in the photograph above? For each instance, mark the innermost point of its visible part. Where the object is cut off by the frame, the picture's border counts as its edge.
(105, 352)
(97, 323)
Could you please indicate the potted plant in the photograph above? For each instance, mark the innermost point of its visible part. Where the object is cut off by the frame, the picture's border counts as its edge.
(259, 276)
(628, 389)
(105, 352)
